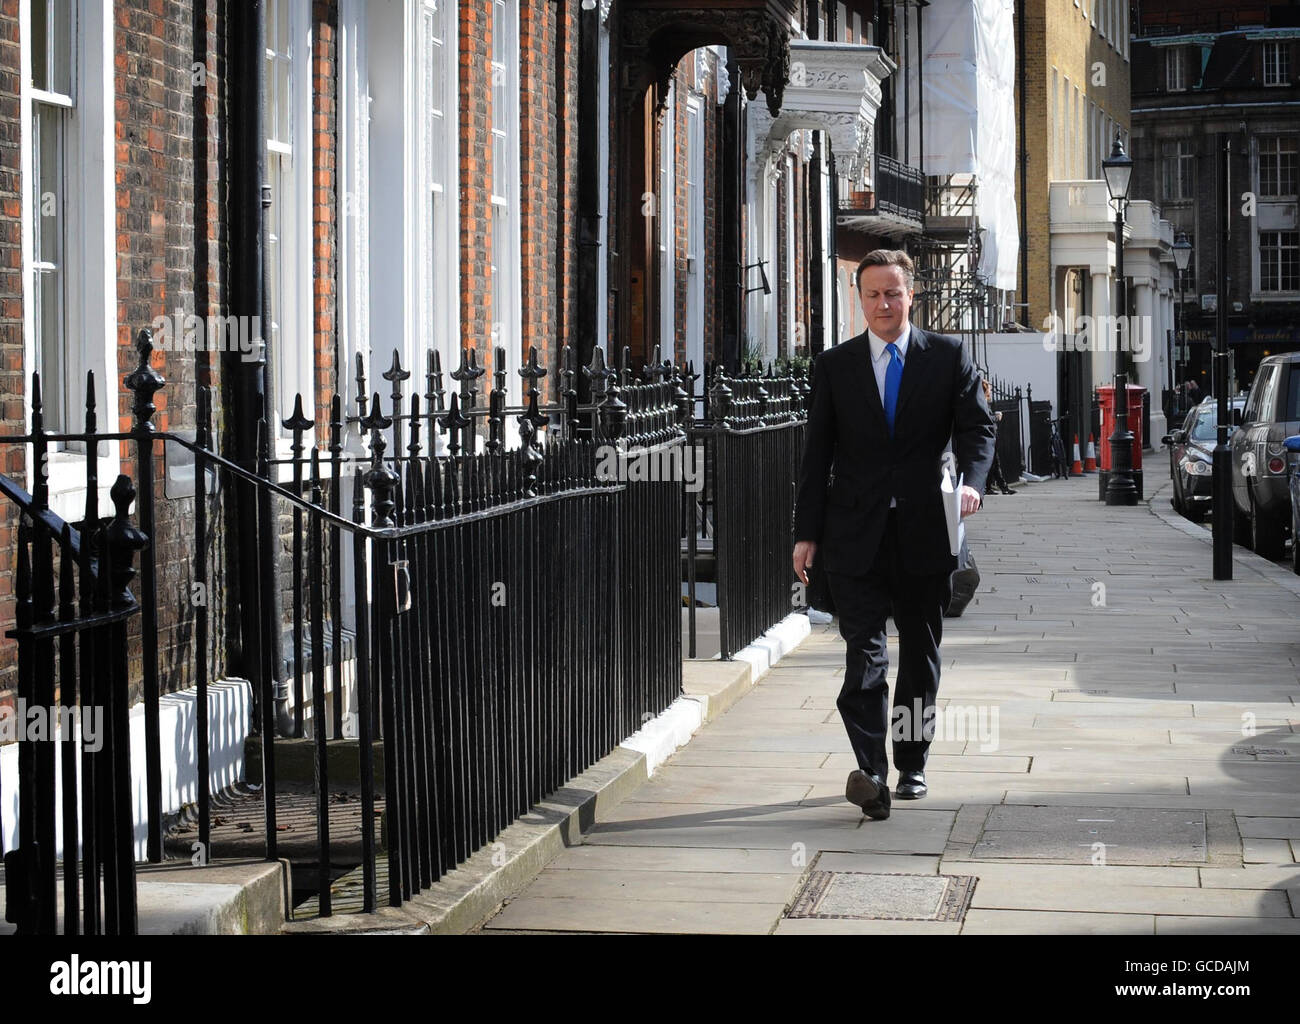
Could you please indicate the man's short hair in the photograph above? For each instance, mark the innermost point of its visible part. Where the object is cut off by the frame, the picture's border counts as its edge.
(886, 258)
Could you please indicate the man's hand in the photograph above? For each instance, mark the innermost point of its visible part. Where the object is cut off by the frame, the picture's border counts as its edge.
(804, 551)
(970, 503)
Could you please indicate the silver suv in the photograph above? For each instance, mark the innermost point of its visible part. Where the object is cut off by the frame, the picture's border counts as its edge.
(1262, 500)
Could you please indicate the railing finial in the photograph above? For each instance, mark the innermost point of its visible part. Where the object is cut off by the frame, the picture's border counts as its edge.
(144, 381)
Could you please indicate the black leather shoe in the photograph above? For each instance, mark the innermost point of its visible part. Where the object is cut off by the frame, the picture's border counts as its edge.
(879, 809)
(911, 785)
(861, 788)
(869, 793)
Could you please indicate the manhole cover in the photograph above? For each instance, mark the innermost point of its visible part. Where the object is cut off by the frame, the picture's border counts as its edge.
(860, 895)
(1110, 835)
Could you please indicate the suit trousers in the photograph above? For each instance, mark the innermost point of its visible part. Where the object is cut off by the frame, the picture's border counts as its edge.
(917, 604)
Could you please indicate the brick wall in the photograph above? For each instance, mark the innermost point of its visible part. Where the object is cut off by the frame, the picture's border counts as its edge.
(168, 244)
(324, 76)
(11, 314)
(475, 171)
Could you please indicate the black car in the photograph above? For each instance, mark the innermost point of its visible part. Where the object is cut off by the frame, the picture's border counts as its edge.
(1191, 456)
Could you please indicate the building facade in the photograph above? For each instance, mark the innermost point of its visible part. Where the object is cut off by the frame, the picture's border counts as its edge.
(1209, 75)
(1075, 79)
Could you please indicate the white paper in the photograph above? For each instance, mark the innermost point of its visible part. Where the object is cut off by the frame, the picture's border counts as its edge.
(952, 509)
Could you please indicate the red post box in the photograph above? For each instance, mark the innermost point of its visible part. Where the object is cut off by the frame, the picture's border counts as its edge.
(1106, 393)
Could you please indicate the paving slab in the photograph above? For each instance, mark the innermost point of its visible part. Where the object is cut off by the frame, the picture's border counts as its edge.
(1252, 876)
(666, 886)
(1190, 925)
(1037, 922)
(999, 894)
(1266, 851)
(588, 857)
(630, 916)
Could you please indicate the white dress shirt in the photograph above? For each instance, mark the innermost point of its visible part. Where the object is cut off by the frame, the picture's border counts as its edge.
(880, 364)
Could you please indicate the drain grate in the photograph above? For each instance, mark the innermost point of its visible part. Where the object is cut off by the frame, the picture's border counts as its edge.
(883, 896)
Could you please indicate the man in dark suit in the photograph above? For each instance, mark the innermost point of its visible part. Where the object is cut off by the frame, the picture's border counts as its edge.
(869, 514)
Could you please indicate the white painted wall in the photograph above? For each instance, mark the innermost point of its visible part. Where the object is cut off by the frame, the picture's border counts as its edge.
(1022, 359)
(230, 704)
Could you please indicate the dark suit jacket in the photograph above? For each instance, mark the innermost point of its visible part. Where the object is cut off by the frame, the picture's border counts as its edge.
(851, 467)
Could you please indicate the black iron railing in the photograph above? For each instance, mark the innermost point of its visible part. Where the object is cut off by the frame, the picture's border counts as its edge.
(751, 440)
(1040, 436)
(512, 614)
(1010, 444)
(73, 605)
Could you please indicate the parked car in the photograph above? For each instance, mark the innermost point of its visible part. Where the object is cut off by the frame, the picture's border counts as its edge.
(1191, 456)
(1292, 445)
(1260, 492)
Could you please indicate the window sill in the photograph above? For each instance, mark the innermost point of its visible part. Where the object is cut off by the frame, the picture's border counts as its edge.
(67, 483)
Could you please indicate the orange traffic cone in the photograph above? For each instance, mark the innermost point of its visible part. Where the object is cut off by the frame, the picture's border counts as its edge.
(1090, 457)
(1077, 466)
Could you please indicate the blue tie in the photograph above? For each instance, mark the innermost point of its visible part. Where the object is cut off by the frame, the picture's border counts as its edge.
(893, 378)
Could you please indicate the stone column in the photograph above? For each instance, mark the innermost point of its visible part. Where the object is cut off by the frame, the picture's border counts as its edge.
(1101, 337)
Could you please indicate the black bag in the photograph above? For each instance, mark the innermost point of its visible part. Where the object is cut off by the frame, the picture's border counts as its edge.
(819, 591)
(965, 581)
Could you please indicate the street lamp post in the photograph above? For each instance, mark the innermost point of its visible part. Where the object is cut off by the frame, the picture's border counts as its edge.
(1182, 258)
(1222, 501)
(1120, 487)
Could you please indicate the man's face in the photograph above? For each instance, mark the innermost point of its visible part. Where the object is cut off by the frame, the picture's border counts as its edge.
(886, 300)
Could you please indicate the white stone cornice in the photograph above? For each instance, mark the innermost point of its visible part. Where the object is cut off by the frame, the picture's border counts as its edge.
(834, 88)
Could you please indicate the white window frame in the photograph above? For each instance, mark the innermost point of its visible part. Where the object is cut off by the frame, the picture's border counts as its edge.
(790, 270)
(771, 255)
(505, 195)
(1261, 286)
(695, 230)
(1076, 120)
(666, 212)
(383, 112)
(353, 162)
(1281, 64)
(293, 331)
(438, 172)
(1183, 153)
(1175, 69)
(88, 251)
(1279, 146)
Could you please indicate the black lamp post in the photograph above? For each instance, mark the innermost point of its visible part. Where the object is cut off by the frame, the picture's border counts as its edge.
(1120, 487)
(1182, 259)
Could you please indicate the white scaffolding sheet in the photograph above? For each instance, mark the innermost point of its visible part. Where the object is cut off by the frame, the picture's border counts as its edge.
(968, 72)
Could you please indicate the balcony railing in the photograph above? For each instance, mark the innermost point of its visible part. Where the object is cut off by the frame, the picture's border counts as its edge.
(900, 190)
(899, 195)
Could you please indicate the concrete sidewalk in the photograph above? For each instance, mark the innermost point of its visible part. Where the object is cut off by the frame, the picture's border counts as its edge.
(1128, 762)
